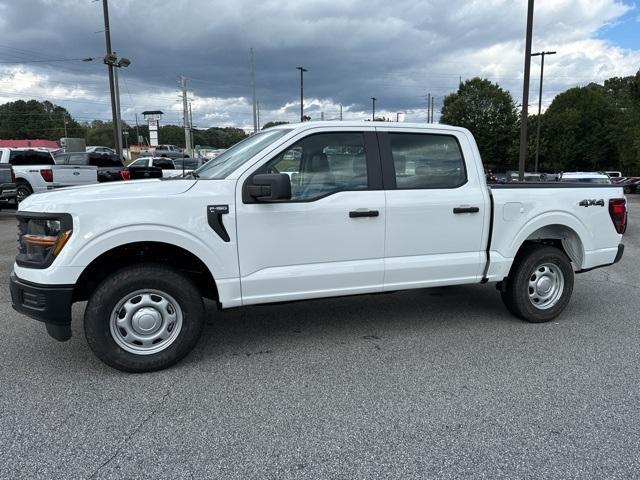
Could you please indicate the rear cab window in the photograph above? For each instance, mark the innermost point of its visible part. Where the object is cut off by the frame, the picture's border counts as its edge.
(104, 160)
(76, 159)
(30, 157)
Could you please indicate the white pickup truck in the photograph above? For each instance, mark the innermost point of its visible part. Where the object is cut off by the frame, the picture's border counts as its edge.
(363, 208)
(36, 171)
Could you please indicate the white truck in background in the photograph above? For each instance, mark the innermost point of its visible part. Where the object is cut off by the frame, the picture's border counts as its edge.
(363, 208)
(36, 171)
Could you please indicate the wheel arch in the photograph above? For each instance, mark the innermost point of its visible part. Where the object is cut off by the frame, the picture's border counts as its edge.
(135, 253)
(559, 229)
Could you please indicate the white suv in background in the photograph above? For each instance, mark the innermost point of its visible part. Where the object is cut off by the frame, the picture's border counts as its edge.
(586, 177)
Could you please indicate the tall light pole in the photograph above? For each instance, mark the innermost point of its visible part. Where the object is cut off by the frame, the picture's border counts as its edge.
(253, 92)
(302, 70)
(540, 54)
(525, 94)
(113, 61)
(114, 112)
(373, 109)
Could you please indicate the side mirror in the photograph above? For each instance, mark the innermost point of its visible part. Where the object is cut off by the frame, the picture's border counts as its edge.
(270, 186)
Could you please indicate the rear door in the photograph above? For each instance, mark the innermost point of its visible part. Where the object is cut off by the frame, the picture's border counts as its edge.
(435, 209)
(75, 171)
(328, 239)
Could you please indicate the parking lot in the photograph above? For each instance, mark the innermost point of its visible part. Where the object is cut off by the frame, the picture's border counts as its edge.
(420, 384)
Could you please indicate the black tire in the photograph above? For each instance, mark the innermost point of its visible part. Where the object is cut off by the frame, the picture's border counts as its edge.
(520, 297)
(103, 301)
(23, 190)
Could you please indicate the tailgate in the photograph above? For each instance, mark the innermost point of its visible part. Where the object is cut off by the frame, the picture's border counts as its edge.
(71, 175)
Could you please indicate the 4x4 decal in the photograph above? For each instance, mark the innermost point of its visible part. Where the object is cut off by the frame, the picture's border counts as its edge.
(589, 203)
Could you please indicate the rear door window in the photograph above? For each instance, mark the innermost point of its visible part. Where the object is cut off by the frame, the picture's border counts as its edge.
(30, 157)
(425, 160)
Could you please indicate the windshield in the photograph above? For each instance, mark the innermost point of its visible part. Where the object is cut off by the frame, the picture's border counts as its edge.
(241, 152)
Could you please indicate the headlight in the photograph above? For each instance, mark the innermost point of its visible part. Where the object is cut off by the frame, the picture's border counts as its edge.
(41, 237)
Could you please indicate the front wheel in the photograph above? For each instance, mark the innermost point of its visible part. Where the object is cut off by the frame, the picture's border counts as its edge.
(540, 284)
(144, 318)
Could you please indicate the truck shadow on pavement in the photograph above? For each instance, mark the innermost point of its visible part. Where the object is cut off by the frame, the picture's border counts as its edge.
(264, 328)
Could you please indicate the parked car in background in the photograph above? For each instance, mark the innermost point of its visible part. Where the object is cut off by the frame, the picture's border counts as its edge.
(108, 165)
(36, 171)
(101, 149)
(586, 177)
(186, 165)
(629, 184)
(165, 164)
(168, 151)
(369, 209)
(7, 184)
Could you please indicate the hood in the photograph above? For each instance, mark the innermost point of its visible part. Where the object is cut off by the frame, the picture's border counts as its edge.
(132, 189)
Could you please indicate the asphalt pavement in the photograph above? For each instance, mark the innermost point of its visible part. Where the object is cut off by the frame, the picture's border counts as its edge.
(438, 383)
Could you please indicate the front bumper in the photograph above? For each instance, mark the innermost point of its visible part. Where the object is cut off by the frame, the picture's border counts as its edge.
(50, 304)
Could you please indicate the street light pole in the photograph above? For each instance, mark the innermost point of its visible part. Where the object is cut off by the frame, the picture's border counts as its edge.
(118, 115)
(541, 54)
(302, 70)
(107, 37)
(373, 109)
(525, 94)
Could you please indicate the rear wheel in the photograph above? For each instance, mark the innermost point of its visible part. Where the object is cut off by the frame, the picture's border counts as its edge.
(540, 284)
(144, 318)
(23, 190)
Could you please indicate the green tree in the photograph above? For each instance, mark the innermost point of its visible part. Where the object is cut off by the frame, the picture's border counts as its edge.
(580, 131)
(33, 119)
(489, 112)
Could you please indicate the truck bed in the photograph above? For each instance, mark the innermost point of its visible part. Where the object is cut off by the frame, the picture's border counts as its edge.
(560, 210)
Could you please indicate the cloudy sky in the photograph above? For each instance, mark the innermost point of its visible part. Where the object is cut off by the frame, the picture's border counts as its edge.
(397, 51)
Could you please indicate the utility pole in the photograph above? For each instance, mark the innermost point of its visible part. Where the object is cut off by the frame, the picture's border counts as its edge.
(107, 37)
(137, 131)
(118, 115)
(185, 114)
(373, 109)
(253, 92)
(525, 94)
(64, 119)
(433, 101)
(302, 70)
(258, 108)
(428, 108)
(340, 112)
(191, 133)
(540, 54)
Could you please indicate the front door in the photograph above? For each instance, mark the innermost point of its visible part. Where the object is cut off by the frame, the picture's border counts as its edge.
(328, 239)
(435, 210)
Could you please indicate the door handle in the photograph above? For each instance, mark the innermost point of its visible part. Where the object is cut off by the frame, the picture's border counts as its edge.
(363, 213)
(466, 210)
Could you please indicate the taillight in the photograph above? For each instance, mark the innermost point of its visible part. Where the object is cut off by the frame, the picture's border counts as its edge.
(47, 174)
(125, 174)
(13, 175)
(618, 212)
